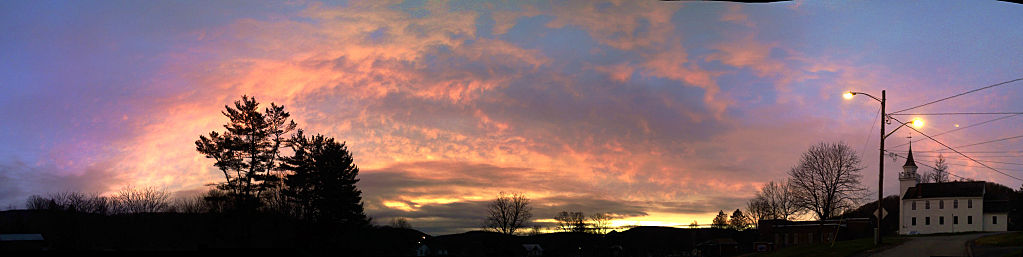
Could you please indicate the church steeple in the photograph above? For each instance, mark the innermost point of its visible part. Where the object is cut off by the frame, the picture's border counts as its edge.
(908, 178)
(909, 158)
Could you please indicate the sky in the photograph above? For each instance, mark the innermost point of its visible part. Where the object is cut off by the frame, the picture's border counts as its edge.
(661, 113)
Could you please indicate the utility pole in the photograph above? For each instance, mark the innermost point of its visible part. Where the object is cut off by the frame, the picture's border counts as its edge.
(880, 175)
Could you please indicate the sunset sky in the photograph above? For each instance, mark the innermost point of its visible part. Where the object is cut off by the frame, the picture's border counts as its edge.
(660, 112)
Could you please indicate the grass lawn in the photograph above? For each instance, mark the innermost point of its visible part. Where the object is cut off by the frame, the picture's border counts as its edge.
(841, 248)
(1006, 239)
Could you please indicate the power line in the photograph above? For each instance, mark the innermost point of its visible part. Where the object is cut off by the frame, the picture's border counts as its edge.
(870, 132)
(973, 166)
(957, 95)
(956, 151)
(929, 166)
(937, 114)
(991, 141)
(979, 156)
(942, 151)
(981, 143)
(967, 165)
(991, 161)
(962, 128)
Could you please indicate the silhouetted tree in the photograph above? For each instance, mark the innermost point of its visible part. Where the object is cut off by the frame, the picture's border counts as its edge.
(780, 199)
(508, 213)
(738, 221)
(601, 222)
(194, 204)
(827, 179)
(141, 200)
(535, 230)
(694, 225)
(939, 173)
(247, 152)
(36, 202)
(757, 209)
(571, 221)
(217, 201)
(400, 222)
(720, 221)
(322, 180)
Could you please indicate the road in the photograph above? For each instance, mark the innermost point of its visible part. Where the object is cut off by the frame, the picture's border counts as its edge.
(951, 245)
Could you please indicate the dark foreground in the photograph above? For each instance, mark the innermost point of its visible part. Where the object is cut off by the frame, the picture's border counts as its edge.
(166, 234)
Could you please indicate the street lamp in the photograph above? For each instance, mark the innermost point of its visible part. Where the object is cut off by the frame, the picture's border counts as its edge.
(880, 170)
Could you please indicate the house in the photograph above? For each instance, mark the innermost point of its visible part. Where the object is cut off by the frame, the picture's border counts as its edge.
(951, 207)
(785, 233)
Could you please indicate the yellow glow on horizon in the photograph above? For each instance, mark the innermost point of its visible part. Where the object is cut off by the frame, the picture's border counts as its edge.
(663, 219)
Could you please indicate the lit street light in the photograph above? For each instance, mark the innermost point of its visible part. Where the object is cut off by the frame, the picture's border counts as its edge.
(880, 169)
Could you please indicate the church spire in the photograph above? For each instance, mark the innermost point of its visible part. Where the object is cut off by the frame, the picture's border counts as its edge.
(909, 157)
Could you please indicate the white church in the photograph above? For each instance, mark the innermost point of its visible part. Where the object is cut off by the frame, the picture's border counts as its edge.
(951, 207)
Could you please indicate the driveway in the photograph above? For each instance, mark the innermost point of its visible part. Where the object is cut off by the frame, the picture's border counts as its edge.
(951, 245)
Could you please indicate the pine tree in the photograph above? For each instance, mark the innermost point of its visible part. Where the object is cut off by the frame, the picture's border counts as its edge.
(720, 221)
(322, 181)
(738, 221)
(247, 153)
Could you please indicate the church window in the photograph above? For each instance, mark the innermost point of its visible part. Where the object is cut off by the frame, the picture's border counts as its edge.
(994, 219)
(969, 219)
(927, 204)
(955, 204)
(914, 221)
(927, 220)
(955, 219)
(914, 205)
(941, 204)
(969, 203)
(941, 220)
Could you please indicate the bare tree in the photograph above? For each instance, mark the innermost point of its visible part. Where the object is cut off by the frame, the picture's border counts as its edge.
(694, 225)
(194, 204)
(508, 213)
(827, 179)
(780, 199)
(535, 230)
(758, 209)
(141, 200)
(400, 222)
(571, 221)
(940, 173)
(601, 222)
(36, 202)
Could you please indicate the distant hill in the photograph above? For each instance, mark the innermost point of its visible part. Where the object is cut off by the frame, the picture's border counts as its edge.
(638, 241)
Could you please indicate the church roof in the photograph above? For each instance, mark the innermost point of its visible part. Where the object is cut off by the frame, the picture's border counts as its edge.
(950, 189)
(909, 158)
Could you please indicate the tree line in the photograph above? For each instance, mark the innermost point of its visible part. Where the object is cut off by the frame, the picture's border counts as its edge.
(128, 200)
